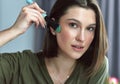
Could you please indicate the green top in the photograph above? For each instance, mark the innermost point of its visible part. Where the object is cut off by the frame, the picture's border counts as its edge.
(28, 68)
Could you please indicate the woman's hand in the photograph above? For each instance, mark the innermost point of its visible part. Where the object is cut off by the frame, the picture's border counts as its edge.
(29, 14)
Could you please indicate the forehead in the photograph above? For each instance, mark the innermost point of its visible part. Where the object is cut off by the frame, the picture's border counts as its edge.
(81, 14)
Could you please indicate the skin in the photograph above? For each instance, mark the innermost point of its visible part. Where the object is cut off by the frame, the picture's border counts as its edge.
(77, 33)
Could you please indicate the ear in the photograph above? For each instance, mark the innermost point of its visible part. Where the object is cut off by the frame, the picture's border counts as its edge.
(52, 31)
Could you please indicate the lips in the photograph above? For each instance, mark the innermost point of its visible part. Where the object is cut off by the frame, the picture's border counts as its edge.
(78, 48)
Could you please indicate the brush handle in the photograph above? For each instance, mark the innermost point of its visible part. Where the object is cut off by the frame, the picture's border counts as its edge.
(29, 1)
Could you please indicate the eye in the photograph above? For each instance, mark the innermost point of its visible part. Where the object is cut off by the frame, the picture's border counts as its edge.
(91, 29)
(73, 25)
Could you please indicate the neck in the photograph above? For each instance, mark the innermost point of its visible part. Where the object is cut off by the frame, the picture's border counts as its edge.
(60, 68)
(61, 63)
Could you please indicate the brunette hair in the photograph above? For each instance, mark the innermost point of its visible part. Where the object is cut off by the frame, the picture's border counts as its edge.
(94, 56)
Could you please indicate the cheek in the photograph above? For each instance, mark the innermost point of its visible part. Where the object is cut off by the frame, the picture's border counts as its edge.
(89, 39)
(65, 37)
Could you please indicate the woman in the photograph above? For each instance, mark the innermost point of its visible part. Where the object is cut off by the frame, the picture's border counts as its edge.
(73, 52)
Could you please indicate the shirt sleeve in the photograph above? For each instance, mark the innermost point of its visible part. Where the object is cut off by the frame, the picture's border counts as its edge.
(102, 76)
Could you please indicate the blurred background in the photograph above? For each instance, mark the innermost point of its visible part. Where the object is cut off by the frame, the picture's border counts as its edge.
(32, 39)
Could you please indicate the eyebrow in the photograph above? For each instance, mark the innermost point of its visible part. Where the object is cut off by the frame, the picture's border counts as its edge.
(94, 24)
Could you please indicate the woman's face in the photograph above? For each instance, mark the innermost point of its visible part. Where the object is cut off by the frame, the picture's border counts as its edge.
(77, 32)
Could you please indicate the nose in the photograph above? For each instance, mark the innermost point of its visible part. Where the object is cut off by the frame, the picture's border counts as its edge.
(80, 36)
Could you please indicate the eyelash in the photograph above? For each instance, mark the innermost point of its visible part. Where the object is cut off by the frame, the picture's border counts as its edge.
(91, 29)
(73, 25)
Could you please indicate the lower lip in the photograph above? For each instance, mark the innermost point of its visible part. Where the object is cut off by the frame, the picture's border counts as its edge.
(77, 49)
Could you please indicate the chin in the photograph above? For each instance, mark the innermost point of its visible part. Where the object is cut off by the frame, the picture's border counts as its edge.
(76, 56)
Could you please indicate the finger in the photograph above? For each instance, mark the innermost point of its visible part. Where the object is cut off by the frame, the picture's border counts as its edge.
(35, 20)
(32, 12)
(37, 15)
(35, 6)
